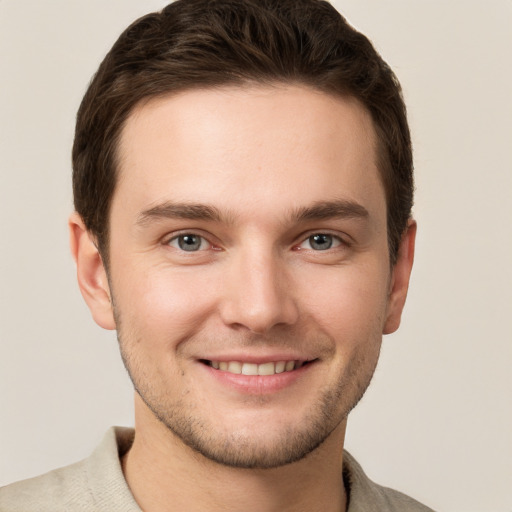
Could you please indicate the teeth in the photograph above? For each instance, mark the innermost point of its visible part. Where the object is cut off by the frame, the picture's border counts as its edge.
(290, 365)
(280, 366)
(249, 369)
(234, 367)
(267, 369)
(270, 368)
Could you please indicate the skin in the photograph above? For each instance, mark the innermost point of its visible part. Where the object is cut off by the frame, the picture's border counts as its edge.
(265, 168)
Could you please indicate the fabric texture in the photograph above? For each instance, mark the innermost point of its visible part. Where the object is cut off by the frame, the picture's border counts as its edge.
(97, 484)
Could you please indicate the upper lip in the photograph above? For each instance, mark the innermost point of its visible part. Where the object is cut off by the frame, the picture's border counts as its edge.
(257, 359)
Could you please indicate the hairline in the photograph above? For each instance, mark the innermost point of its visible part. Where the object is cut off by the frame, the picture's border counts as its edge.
(380, 154)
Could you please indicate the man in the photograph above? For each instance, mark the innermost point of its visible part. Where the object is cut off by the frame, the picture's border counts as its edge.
(243, 192)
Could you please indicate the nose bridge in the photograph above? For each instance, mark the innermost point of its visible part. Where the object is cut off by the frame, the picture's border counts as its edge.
(258, 295)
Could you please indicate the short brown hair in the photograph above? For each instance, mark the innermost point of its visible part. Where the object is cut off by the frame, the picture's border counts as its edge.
(206, 43)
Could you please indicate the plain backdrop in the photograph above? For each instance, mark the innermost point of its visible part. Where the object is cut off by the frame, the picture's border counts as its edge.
(437, 420)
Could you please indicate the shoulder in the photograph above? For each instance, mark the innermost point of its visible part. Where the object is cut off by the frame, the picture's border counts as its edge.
(367, 496)
(55, 491)
(94, 484)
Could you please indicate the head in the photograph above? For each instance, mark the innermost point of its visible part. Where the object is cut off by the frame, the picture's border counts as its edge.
(242, 177)
(194, 44)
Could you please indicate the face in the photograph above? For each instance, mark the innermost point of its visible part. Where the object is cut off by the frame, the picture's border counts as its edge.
(249, 267)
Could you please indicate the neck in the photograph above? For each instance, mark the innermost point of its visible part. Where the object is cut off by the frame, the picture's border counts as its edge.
(164, 474)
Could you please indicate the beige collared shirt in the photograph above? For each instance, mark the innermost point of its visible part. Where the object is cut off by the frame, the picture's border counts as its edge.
(97, 484)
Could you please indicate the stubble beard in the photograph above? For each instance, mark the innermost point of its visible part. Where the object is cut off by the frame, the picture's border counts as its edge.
(241, 450)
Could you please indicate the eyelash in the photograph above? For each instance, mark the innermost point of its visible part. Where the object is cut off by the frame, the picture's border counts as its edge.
(176, 238)
(336, 242)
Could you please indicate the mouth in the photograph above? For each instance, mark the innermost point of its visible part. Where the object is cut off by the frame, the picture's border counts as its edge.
(261, 369)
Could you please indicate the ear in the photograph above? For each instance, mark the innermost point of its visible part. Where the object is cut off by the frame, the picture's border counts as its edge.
(400, 275)
(91, 273)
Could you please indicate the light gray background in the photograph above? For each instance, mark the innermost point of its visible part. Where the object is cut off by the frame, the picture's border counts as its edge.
(437, 420)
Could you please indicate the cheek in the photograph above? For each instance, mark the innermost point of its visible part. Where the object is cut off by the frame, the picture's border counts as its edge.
(351, 303)
(163, 306)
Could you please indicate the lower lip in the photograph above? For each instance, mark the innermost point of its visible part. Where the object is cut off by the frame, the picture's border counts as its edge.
(258, 384)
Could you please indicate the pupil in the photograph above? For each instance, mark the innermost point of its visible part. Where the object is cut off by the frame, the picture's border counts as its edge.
(321, 242)
(189, 242)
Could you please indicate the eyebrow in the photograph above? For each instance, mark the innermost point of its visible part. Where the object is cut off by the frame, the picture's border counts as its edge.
(341, 209)
(170, 210)
(338, 209)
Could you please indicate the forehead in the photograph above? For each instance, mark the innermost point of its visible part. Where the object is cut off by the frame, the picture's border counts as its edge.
(248, 148)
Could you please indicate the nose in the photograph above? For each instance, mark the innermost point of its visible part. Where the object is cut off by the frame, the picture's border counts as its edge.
(258, 294)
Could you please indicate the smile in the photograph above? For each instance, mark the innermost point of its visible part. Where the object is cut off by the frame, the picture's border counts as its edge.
(270, 368)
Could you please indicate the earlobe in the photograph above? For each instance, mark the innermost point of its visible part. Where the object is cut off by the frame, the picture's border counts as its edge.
(91, 273)
(401, 274)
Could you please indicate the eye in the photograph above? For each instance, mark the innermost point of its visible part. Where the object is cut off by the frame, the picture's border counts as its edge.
(321, 242)
(189, 242)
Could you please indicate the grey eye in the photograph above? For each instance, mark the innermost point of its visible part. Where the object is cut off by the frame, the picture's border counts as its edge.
(321, 242)
(189, 242)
